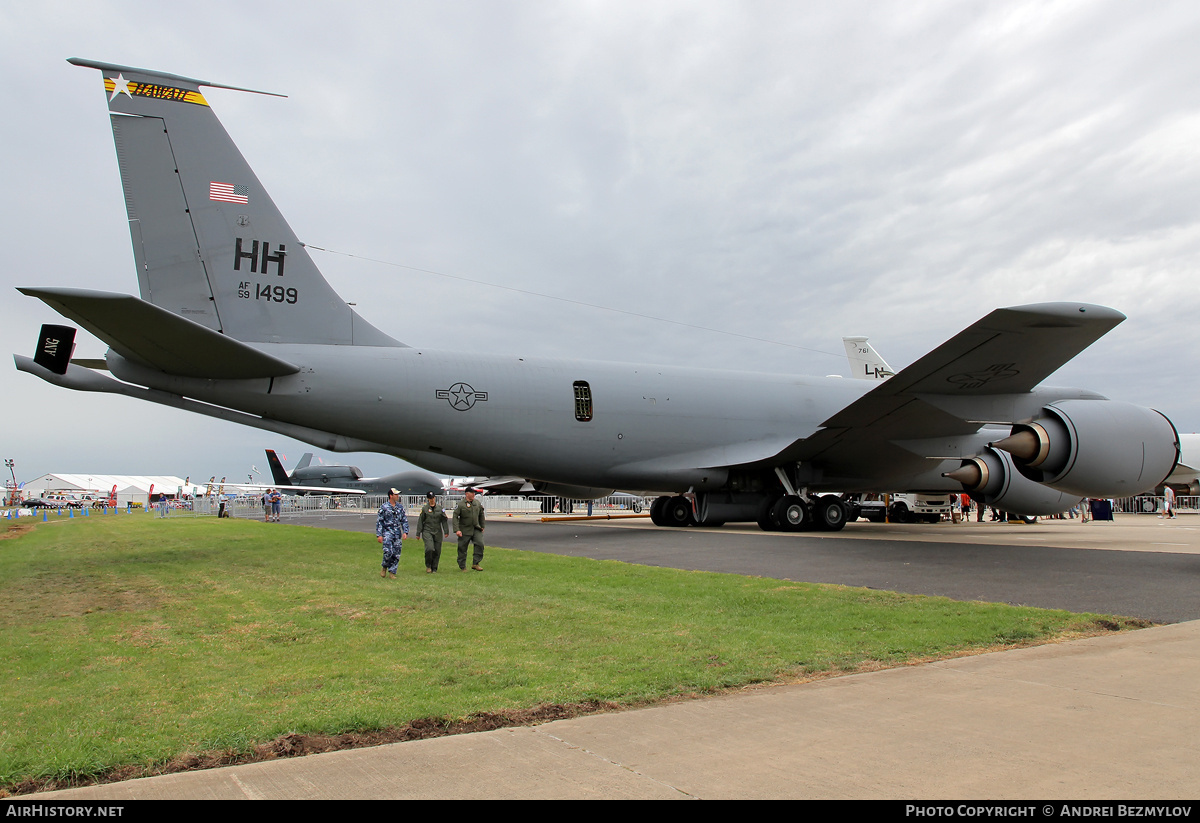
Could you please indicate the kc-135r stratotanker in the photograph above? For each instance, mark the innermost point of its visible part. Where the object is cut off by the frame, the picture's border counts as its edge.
(235, 321)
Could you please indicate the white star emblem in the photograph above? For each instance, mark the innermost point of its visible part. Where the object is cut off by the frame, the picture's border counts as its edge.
(120, 86)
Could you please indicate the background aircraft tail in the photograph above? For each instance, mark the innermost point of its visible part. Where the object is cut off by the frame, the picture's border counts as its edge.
(865, 362)
(209, 242)
(278, 473)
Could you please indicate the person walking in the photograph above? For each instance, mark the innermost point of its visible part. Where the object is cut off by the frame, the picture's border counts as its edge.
(432, 525)
(468, 526)
(391, 527)
(1168, 503)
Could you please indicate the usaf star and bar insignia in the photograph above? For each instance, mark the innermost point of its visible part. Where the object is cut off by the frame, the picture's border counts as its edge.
(461, 396)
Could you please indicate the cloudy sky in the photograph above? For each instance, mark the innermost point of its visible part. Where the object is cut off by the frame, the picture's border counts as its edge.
(727, 184)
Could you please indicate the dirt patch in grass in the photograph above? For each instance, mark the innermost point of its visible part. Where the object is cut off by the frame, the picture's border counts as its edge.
(69, 593)
(16, 530)
(298, 745)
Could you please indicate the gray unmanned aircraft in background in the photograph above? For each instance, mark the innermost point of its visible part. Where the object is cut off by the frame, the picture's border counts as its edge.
(235, 321)
(336, 478)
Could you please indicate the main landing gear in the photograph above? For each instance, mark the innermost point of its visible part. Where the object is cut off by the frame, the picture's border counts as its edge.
(787, 513)
(792, 513)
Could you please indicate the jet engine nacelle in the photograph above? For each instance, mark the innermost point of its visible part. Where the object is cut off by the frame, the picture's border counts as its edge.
(993, 478)
(1095, 448)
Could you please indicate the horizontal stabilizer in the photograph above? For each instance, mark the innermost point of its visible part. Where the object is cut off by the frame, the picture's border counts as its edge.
(147, 334)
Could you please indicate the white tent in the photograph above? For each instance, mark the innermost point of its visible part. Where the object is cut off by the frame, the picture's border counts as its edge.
(130, 488)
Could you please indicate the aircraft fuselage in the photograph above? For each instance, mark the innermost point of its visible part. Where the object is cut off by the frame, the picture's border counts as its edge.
(436, 408)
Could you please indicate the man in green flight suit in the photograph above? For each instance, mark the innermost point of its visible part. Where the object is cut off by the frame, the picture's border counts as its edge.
(468, 525)
(432, 525)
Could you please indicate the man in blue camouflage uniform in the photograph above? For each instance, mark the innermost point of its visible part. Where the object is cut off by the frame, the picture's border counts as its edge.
(391, 527)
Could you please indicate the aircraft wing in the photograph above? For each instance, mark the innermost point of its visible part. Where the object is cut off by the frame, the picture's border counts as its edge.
(1008, 351)
(957, 387)
(1187, 470)
(257, 487)
(503, 485)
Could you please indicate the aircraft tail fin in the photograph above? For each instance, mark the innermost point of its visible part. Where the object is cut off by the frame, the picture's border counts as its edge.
(865, 362)
(305, 460)
(278, 473)
(210, 244)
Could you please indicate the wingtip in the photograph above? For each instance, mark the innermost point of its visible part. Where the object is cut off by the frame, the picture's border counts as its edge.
(1070, 311)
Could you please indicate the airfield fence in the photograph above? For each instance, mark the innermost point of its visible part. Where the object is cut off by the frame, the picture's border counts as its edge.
(335, 505)
(332, 506)
(1149, 504)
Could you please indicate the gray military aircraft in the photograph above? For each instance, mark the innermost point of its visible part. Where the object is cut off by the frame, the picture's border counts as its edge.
(1186, 475)
(314, 478)
(235, 321)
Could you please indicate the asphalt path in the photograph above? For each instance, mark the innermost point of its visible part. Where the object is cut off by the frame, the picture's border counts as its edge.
(1134, 581)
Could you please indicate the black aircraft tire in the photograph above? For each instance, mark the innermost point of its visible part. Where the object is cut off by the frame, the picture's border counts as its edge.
(656, 511)
(764, 515)
(790, 514)
(831, 514)
(678, 512)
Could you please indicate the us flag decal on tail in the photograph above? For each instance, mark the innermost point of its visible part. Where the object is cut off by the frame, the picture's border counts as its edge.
(228, 193)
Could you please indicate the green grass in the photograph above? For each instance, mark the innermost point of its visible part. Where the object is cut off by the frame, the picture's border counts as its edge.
(128, 640)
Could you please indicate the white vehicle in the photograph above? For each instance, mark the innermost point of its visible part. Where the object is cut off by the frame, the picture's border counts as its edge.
(902, 508)
(919, 508)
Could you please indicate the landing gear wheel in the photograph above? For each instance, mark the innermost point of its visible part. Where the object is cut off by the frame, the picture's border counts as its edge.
(678, 512)
(830, 514)
(790, 514)
(764, 515)
(656, 511)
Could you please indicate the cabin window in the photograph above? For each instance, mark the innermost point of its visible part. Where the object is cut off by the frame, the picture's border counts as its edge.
(583, 401)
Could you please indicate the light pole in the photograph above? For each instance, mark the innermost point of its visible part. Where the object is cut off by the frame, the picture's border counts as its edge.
(12, 494)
